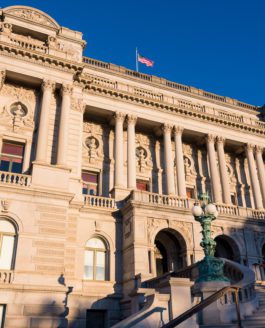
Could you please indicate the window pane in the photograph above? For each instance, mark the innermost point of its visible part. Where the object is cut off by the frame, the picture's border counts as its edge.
(4, 165)
(2, 314)
(13, 149)
(142, 185)
(90, 177)
(100, 265)
(89, 265)
(95, 243)
(16, 167)
(6, 255)
(6, 226)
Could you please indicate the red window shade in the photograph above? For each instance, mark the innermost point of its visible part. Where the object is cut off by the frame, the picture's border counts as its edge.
(12, 149)
(190, 193)
(142, 185)
(90, 177)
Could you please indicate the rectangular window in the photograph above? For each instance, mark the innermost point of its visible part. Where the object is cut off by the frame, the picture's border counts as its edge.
(233, 199)
(2, 315)
(89, 264)
(142, 185)
(6, 252)
(100, 265)
(90, 183)
(11, 158)
(190, 193)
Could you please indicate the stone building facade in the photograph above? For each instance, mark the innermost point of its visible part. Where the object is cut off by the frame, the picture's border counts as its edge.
(100, 166)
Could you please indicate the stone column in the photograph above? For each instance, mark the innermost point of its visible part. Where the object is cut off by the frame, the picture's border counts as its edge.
(223, 170)
(66, 92)
(131, 158)
(42, 144)
(213, 169)
(254, 177)
(118, 168)
(181, 183)
(261, 171)
(169, 168)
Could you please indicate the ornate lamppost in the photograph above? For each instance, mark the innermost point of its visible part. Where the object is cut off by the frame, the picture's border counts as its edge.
(210, 268)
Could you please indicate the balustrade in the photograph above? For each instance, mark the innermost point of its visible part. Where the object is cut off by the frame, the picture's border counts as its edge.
(16, 179)
(6, 276)
(99, 202)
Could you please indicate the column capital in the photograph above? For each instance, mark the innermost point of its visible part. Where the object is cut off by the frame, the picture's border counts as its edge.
(48, 85)
(166, 128)
(66, 89)
(259, 149)
(2, 78)
(131, 119)
(210, 138)
(178, 130)
(119, 116)
(249, 147)
(220, 140)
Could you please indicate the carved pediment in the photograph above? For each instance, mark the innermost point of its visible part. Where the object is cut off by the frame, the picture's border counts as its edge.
(32, 15)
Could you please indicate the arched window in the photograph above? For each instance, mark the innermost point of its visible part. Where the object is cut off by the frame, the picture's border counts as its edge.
(96, 259)
(7, 245)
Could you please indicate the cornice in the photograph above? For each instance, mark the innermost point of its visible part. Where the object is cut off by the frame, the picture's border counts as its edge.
(197, 114)
(164, 84)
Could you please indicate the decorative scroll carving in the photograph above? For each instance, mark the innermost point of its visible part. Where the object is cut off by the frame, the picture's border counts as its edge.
(210, 138)
(19, 93)
(131, 119)
(32, 15)
(119, 117)
(5, 203)
(48, 85)
(78, 105)
(66, 89)
(220, 139)
(178, 130)
(2, 78)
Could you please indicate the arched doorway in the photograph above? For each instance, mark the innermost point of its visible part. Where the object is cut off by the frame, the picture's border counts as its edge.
(170, 251)
(227, 248)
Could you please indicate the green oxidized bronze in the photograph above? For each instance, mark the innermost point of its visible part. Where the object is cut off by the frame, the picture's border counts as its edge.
(210, 268)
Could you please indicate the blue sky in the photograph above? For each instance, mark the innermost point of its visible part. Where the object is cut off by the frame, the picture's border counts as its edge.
(215, 45)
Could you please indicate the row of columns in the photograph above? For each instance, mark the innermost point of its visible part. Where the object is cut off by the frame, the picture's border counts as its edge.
(42, 144)
(256, 168)
(220, 195)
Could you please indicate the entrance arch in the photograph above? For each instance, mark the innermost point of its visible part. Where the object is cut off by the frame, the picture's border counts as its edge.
(170, 251)
(227, 248)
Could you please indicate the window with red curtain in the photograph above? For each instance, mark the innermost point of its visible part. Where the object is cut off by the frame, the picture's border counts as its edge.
(142, 185)
(90, 183)
(190, 193)
(11, 158)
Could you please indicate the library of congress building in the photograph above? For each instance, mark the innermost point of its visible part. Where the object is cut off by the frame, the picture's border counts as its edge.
(100, 167)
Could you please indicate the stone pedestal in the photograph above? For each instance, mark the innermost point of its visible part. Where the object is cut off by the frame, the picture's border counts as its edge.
(214, 313)
(50, 176)
(119, 193)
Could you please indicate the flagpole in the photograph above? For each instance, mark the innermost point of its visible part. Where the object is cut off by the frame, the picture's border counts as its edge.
(136, 60)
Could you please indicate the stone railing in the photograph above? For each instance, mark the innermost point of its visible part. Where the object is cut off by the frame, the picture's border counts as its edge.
(224, 209)
(258, 214)
(99, 202)
(28, 43)
(6, 276)
(158, 199)
(173, 85)
(15, 179)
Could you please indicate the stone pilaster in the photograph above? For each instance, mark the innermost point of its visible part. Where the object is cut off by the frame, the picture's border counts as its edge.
(42, 144)
(119, 156)
(210, 139)
(2, 78)
(223, 170)
(181, 183)
(169, 168)
(131, 158)
(66, 92)
(254, 177)
(261, 171)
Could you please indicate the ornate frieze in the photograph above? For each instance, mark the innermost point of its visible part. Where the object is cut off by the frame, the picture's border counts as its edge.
(78, 105)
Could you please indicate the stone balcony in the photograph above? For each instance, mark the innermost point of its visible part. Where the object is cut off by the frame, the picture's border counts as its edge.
(15, 179)
(99, 202)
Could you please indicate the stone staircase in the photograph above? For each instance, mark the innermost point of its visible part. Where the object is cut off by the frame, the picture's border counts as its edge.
(256, 320)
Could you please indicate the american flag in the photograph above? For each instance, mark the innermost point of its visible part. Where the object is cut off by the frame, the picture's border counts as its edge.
(146, 61)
